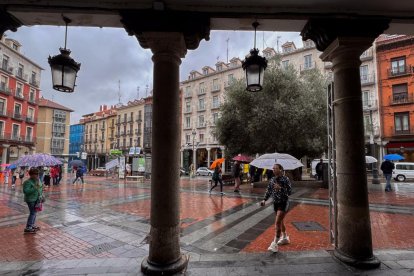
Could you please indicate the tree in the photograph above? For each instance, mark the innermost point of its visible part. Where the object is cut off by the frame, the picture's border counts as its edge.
(288, 115)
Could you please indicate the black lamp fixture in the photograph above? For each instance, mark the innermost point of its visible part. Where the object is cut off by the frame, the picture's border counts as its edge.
(64, 68)
(254, 66)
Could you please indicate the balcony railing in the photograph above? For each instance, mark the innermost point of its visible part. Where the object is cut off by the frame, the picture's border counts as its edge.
(401, 99)
(138, 119)
(188, 94)
(17, 138)
(19, 95)
(21, 76)
(215, 88)
(187, 110)
(401, 132)
(32, 100)
(5, 89)
(34, 82)
(215, 105)
(202, 91)
(30, 119)
(367, 79)
(307, 66)
(17, 116)
(6, 68)
(399, 71)
(201, 108)
(130, 119)
(369, 104)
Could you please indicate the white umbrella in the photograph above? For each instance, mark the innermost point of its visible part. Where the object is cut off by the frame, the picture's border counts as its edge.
(266, 161)
(370, 159)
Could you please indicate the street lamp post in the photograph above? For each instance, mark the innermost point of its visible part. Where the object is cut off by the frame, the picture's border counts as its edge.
(375, 179)
(194, 133)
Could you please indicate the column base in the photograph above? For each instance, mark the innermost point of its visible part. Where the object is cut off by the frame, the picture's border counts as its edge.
(367, 263)
(149, 268)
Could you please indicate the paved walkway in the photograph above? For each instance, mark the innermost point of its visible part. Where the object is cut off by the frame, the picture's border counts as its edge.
(101, 227)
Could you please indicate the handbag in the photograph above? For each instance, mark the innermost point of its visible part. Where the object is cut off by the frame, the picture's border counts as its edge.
(42, 198)
(39, 206)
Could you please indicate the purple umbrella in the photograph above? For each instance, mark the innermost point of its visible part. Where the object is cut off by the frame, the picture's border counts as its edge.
(37, 160)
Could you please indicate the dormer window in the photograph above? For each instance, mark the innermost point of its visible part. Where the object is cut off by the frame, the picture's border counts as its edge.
(205, 71)
(15, 46)
(219, 67)
(308, 43)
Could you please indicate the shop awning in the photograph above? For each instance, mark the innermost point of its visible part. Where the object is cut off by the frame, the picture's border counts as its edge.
(398, 145)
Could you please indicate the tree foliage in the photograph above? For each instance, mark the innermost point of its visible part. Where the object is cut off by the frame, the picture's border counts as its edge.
(288, 115)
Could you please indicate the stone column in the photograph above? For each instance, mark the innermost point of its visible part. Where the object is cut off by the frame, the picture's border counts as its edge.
(4, 155)
(182, 157)
(164, 251)
(343, 45)
(223, 154)
(208, 157)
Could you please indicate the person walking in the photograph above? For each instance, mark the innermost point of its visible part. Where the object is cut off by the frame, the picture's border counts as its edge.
(32, 189)
(21, 174)
(236, 174)
(79, 175)
(386, 167)
(59, 168)
(15, 175)
(217, 178)
(46, 176)
(279, 188)
(192, 170)
(319, 169)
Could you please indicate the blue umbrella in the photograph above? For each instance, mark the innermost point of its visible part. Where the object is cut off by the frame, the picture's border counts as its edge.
(393, 157)
(76, 163)
(12, 167)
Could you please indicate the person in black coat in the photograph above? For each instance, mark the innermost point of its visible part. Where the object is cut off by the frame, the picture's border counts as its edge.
(387, 167)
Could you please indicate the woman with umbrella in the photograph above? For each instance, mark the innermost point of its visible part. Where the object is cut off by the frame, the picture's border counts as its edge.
(279, 188)
(217, 178)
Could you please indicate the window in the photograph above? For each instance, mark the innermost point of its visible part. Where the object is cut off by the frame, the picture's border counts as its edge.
(363, 71)
(3, 106)
(201, 138)
(205, 71)
(188, 122)
(188, 106)
(17, 110)
(5, 62)
(285, 64)
(33, 78)
(367, 124)
(202, 88)
(308, 43)
(1, 129)
(187, 138)
(402, 122)
(29, 134)
(399, 93)
(15, 132)
(398, 66)
(188, 91)
(216, 102)
(230, 79)
(30, 114)
(201, 121)
(139, 141)
(216, 85)
(20, 71)
(3, 83)
(15, 47)
(215, 117)
(219, 67)
(19, 90)
(32, 95)
(201, 105)
(365, 99)
(308, 62)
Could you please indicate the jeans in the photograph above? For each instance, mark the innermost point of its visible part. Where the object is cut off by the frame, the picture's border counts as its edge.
(78, 177)
(388, 179)
(32, 216)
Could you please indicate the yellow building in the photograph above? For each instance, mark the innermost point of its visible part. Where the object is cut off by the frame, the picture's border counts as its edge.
(97, 136)
(129, 127)
(53, 124)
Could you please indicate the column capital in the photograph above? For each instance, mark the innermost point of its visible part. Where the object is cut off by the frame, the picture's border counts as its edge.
(323, 31)
(8, 22)
(347, 49)
(192, 25)
(164, 44)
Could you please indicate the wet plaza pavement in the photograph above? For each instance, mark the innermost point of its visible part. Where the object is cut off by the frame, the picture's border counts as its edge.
(101, 227)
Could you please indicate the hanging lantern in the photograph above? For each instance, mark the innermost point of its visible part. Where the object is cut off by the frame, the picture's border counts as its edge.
(254, 66)
(64, 68)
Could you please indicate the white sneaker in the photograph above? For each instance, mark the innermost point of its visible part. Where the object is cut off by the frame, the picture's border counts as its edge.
(283, 241)
(273, 247)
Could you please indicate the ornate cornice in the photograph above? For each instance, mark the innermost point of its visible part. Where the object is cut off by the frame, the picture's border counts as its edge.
(8, 22)
(193, 26)
(323, 31)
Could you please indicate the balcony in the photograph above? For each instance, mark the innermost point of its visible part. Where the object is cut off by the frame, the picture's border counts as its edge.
(17, 116)
(215, 88)
(201, 91)
(202, 125)
(188, 110)
(406, 132)
(403, 98)
(201, 108)
(369, 105)
(29, 139)
(367, 55)
(21, 76)
(138, 119)
(4, 89)
(368, 79)
(130, 119)
(19, 96)
(34, 82)
(307, 66)
(188, 94)
(399, 71)
(32, 100)
(215, 105)
(6, 68)
(30, 120)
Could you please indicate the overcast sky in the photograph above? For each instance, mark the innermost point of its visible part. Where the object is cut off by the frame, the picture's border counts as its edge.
(109, 55)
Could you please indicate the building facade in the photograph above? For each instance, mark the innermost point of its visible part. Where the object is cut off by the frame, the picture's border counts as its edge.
(53, 128)
(395, 56)
(19, 94)
(202, 94)
(76, 140)
(96, 141)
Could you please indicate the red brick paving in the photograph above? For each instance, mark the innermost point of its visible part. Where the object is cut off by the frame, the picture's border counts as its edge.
(377, 197)
(48, 243)
(194, 207)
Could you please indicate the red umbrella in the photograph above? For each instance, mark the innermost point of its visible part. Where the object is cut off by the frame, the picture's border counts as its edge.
(243, 158)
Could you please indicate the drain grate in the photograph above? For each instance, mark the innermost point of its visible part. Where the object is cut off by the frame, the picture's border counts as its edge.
(100, 248)
(308, 226)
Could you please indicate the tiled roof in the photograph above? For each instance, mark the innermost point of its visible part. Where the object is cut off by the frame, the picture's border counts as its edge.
(51, 104)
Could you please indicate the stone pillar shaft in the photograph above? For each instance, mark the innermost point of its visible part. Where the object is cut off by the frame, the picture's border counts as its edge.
(354, 241)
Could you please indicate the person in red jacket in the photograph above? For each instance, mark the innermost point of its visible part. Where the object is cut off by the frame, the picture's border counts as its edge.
(54, 174)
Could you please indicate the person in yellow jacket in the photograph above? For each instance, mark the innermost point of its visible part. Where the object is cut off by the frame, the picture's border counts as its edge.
(32, 189)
